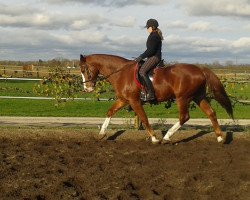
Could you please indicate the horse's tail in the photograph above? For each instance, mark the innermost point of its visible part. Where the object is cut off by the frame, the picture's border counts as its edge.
(215, 86)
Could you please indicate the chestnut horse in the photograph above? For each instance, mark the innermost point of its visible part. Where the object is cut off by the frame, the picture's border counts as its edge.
(183, 82)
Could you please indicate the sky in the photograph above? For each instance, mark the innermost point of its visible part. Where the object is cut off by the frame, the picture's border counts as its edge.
(195, 31)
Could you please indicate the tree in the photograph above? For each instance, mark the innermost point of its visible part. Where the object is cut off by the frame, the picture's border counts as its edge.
(59, 83)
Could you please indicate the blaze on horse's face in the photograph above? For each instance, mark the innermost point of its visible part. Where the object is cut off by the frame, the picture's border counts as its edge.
(88, 77)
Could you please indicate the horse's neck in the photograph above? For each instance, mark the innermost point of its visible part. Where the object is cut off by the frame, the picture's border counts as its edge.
(111, 68)
(117, 71)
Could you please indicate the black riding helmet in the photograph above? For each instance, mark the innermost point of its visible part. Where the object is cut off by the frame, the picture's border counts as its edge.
(152, 23)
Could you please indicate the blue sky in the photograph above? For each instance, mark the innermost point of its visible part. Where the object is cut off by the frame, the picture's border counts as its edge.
(195, 31)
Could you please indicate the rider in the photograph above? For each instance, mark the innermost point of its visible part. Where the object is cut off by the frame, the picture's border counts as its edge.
(153, 55)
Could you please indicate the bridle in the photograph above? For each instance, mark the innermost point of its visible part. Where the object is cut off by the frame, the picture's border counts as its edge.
(90, 79)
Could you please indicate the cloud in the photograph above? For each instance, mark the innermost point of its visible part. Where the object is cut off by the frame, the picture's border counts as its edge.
(195, 49)
(25, 37)
(200, 26)
(246, 28)
(16, 10)
(49, 20)
(127, 42)
(113, 3)
(197, 44)
(83, 37)
(242, 43)
(239, 8)
(25, 20)
(128, 21)
(43, 30)
(16, 16)
(87, 21)
(179, 24)
(30, 44)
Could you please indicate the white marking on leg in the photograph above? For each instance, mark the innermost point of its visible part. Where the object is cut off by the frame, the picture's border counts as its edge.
(83, 80)
(172, 130)
(219, 139)
(104, 126)
(154, 140)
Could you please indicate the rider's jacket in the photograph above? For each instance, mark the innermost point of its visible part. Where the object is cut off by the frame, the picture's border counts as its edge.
(154, 45)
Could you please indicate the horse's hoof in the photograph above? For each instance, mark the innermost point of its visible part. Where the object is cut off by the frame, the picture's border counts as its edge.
(101, 136)
(220, 139)
(154, 140)
(166, 141)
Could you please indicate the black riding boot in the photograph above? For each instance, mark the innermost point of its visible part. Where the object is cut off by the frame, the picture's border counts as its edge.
(150, 96)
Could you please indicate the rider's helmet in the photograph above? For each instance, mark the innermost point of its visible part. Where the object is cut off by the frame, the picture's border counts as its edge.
(152, 23)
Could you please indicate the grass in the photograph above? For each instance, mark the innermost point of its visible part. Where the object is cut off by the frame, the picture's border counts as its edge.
(21, 107)
(25, 107)
(17, 88)
(25, 88)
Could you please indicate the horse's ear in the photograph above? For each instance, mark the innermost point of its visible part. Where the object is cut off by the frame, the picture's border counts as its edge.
(82, 58)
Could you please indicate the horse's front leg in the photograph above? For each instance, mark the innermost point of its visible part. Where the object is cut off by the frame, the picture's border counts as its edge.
(139, 110)
(115, 107)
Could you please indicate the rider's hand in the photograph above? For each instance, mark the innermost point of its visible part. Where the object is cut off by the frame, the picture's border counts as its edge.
(139, 59)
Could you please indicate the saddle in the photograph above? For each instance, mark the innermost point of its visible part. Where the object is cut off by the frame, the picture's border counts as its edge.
(139, 81)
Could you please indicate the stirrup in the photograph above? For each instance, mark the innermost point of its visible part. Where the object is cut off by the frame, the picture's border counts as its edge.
(145, 97)
(150, 98)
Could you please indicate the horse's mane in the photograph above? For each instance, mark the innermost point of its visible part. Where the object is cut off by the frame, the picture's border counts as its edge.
(111, 60)
(110, 56)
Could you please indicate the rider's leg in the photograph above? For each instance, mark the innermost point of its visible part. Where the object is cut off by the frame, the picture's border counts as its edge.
(149, 88)
(146, 67)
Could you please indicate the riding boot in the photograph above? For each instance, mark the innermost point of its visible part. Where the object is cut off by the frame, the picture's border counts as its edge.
(150, 96)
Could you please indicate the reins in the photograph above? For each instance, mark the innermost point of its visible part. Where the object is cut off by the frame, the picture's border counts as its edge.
(104, 77)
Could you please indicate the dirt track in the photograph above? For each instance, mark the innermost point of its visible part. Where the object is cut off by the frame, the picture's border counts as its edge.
(72, 164)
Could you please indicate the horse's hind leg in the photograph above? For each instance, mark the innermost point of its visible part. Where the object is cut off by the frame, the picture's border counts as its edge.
(138, 109)
(115, 107)
(206, 108)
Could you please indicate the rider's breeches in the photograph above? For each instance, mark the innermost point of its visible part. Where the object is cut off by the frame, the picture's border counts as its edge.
(148, 65)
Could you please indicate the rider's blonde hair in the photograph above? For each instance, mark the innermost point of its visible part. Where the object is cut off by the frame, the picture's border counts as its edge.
(159, 33)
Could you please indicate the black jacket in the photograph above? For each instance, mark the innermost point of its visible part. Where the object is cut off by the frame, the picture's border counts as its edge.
(153, 44)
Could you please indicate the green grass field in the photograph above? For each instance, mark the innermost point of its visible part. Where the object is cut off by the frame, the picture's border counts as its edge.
(93, 108)
(25, 88)
(23, 107)
(80, 108)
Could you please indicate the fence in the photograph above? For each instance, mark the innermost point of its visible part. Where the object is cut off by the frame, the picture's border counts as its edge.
(38, 72)
(17, 73)
(42, 98)
(22, 79)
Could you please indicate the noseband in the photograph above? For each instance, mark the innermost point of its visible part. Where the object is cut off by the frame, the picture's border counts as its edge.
(90, 79)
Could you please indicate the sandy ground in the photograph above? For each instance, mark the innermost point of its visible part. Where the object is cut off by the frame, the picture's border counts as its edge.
(71, 163)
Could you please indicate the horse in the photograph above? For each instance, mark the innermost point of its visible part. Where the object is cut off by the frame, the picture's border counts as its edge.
(182, 82)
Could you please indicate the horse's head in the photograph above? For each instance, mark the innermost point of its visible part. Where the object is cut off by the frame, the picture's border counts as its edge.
(89, 74)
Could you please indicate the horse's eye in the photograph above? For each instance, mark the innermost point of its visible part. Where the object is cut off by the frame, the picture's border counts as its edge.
(82, 69)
